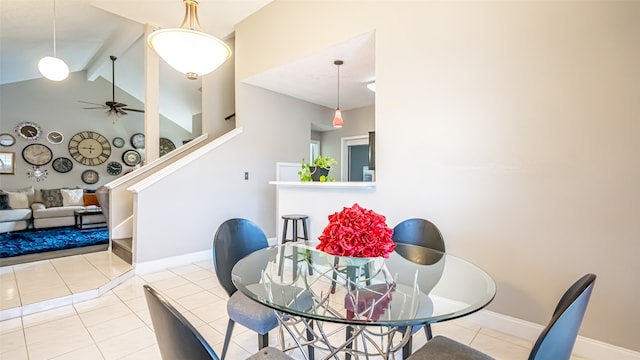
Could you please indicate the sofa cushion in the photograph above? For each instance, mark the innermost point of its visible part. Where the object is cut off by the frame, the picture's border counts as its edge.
(72, 197)
(18, 200)
(51, 197)
(4, 201)
(15, 215)
(53, 212)
(91, 199)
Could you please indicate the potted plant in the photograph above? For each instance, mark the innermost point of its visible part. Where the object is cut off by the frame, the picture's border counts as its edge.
(318, 170)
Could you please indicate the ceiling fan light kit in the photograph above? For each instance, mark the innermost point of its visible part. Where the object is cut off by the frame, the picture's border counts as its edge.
(187, 49)
(52, 67)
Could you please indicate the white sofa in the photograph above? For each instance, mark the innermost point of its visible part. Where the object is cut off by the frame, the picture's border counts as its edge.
(48, 208)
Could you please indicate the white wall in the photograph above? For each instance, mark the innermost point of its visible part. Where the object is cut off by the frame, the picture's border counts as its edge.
(180, 214)
(55, 106)
(511, 125)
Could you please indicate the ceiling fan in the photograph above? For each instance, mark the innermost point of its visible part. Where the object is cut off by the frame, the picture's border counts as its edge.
(114, 108)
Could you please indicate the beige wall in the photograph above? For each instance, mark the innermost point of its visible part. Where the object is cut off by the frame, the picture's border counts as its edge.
(513, 126)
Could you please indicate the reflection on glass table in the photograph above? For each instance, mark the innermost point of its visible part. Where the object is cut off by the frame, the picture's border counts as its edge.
(373, 299)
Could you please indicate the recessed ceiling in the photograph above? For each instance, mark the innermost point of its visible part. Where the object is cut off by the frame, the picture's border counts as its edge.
(315, 77)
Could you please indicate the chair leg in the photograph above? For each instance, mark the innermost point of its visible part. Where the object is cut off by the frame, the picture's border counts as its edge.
(284, 240)
(406, 349)
(310, 337)
(227, 338)
(427, 331)
(263, 340)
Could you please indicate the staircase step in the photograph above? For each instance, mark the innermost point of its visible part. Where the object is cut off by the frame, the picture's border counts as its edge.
(122, 248)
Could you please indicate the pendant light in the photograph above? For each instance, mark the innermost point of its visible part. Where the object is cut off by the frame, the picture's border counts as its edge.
(52, 67)
(337, 118)
(187, 49)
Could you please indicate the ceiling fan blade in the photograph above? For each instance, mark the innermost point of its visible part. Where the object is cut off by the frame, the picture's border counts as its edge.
(91, 108)
(135, 110)
(87, 102)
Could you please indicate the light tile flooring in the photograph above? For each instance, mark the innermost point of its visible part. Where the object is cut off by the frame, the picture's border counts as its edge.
(116, 325)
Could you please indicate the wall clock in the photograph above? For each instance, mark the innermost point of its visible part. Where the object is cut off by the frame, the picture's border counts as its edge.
(37, 154)
(166, 146)
(114, 168)
(29, 131)
(89, 148)
(7, 139)
(118, 142)
(90, 176)
(137, 140)
(55, 137)
(62, 165)
(131, 158)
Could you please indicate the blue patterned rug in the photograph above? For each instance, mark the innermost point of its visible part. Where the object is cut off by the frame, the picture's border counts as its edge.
(37, 241)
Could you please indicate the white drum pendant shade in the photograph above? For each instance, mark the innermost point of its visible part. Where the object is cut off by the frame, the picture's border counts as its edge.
(53, 68)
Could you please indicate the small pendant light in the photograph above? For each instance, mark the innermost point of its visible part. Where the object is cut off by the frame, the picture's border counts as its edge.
(52, 67)
(337, 119)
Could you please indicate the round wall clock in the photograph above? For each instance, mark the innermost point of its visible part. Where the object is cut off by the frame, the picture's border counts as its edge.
(7, 139)
(118, 142)
(62, 165)
(131, 158)
(55, 137)
(28, 130)
(89, 148)
(114, 168)
(166, 146)
(90, 176)
(137, 140)
(37, 154)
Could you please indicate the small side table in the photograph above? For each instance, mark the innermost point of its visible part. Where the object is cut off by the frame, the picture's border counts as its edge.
(79, 219)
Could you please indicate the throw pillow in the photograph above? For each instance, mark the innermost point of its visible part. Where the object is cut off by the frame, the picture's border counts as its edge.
(18, 200)
(4, 201)
(31, 193)
(72, 197)
(91, 199)
(51, 197)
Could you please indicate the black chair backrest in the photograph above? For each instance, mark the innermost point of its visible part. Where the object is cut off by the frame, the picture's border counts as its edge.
(235, 239)
(557, 339)
(419, 232)
(177, 338)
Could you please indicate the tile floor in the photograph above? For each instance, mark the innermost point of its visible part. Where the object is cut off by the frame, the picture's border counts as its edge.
(116, 325)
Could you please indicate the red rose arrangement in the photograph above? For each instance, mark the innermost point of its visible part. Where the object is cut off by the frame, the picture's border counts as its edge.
(357, 232)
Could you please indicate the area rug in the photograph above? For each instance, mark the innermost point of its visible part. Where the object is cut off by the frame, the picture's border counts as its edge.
(38, 241)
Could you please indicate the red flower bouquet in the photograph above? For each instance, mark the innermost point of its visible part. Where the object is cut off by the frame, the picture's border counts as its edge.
(357, 232)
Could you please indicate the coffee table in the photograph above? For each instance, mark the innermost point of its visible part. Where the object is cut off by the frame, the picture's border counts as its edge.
(79, 219)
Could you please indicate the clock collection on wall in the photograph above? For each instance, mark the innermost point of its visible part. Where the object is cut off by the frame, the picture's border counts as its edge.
(88, 148)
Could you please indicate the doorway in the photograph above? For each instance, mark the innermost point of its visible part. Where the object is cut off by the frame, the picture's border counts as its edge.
(355, 158)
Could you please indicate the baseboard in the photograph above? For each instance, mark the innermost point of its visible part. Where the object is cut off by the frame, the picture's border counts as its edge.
(174, 261)
(584, 347)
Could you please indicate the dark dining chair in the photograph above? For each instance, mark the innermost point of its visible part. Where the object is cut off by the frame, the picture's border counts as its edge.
(424, 233)
(179, 340)
(235, 239)
(554, 343)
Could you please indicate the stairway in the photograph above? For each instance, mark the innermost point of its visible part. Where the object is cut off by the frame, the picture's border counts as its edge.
(122, 248)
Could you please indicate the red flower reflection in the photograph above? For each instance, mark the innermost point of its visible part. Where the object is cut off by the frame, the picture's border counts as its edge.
(357, 232)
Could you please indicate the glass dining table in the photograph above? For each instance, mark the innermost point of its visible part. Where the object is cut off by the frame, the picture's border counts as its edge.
(361, 307)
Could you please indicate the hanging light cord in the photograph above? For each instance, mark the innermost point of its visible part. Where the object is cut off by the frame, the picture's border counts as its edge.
(338, 63)
(54, 28)
(338, 86)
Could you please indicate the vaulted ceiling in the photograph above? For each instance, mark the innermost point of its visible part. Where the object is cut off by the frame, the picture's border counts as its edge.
(89, 31)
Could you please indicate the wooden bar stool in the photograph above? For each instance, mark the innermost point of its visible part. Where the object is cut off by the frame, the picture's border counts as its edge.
(294, 218)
